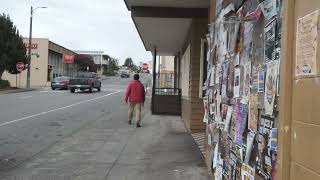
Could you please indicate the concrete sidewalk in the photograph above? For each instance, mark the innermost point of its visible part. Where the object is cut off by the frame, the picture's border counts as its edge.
(160, 150)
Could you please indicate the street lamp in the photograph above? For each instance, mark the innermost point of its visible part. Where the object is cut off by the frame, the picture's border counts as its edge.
(30, 41)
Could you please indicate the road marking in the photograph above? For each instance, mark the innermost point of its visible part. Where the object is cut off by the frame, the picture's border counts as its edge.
(25, 97)
(61, 108)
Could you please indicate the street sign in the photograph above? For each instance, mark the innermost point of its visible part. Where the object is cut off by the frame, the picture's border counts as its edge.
(20, 66)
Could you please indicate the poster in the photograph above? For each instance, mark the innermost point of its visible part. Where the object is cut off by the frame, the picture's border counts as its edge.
(270, 41)
(244, 116)
(236, 87)
(224, 112)
(273, 137)
(246, 84)
(253, 113)
(261, 77)
(271, 83)
(269, 9)
(264, 149)
(306, 44)
(250, 138)
(247, 172)
(247, 40)
(218, 74)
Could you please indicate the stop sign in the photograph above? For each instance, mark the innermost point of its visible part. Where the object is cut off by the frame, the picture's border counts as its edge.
(20, 66)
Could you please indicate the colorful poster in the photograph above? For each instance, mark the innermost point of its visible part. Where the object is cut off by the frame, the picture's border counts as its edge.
(253, 113)
(236, 87)
(307, 44)
(271, 83)
(246, 84)
(261, 82)
(247, 172)
(269, 8)
(270, 41)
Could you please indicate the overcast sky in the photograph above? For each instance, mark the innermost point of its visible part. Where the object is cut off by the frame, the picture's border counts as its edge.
(81, 25)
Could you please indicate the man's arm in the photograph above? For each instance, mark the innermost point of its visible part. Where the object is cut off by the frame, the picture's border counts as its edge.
(127, 93)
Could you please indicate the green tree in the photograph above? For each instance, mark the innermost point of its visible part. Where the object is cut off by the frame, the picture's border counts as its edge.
(111, 66)
(128, 62)
(12, 49)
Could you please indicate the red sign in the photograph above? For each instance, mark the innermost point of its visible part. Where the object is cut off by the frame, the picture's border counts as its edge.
(68, 59)
(33, 45)
(20, 66)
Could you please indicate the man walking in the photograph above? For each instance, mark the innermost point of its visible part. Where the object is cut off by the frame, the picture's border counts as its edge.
(136, 96)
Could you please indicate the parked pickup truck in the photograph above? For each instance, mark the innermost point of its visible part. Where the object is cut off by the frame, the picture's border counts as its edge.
(85, 80)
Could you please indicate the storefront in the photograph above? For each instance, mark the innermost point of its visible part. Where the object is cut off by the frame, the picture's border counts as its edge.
(47, 62)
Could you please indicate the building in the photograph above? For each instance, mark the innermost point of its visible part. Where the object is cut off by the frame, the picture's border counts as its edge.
(49, 60)
(97, 57)
(180, 29)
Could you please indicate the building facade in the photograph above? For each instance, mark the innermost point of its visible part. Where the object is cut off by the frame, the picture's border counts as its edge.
(47, 62)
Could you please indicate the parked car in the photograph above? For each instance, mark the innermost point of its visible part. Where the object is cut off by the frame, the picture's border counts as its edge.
(85, 80)
(125, 74)
(60, 83)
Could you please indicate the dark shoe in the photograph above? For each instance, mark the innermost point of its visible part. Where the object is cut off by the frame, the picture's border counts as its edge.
(129, 122)
(138, 125)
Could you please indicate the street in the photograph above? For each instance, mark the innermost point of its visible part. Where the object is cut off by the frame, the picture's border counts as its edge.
(33, 121)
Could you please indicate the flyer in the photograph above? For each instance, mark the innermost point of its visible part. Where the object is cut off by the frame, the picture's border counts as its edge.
(212, 78)
(247, 172)
(261, 77)
(270, 41)
(253, 113)
(238, 124)
(271, 83)
(307, 44)
(246, 84)
(228, 118)
(255, 79)
(236, 87)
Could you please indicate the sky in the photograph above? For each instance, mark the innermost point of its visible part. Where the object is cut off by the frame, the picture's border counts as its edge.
(100, 25)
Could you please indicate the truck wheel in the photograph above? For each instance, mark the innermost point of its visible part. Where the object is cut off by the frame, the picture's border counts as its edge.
(91, 89)
(53, 88)
(72, 90)
(99, 89)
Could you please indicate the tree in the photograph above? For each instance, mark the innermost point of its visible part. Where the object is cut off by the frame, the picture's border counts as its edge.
(128, 62)
(12, 49)
(112, 65)
(85, 61)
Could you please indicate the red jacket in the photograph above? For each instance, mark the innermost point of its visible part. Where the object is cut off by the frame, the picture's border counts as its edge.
(135, 92)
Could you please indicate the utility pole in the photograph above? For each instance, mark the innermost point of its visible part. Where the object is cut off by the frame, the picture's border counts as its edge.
(30, 42)
(29, 49)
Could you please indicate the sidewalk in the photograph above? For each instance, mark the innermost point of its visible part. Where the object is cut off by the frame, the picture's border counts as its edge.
(160, 150)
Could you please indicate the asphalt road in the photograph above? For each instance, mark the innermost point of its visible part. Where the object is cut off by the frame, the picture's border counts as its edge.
(31, 122)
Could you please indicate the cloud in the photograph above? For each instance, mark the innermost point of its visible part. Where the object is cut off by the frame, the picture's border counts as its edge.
(81, 25)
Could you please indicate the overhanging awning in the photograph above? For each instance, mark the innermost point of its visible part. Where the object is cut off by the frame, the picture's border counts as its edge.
(165, 24)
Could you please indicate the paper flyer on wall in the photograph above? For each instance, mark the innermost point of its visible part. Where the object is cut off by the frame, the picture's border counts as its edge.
(261, 82)
(255, 79)
(270, 41)
(247, 172)
(205, 106)
(307, 44)
(238, 124)
(269, 9)
(253, 113)
(264, 150)
(271, 83)
(250, 138)
(212, 78)
(246, 84)
(236, 87)
(228, 118)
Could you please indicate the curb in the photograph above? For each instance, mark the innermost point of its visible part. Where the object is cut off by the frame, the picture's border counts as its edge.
(16, 91)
